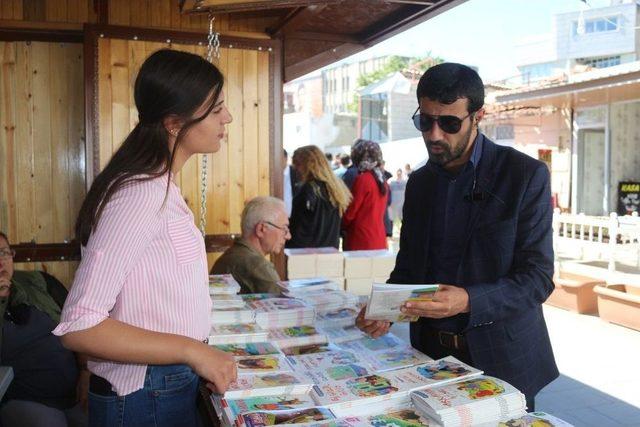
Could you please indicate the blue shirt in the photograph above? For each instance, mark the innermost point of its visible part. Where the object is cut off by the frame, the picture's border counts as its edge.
(449, 223)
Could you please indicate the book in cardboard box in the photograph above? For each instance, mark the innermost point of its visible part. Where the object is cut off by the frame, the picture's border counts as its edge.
(237, 333)
(474, 401)
(296, 336)
(269, 384)
(382, 386)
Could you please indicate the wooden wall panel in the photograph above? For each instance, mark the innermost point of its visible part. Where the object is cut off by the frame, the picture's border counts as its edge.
(42, 173)
(55, 11)
(236, 173)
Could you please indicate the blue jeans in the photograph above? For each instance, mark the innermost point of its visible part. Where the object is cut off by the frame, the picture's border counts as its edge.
(167, 399)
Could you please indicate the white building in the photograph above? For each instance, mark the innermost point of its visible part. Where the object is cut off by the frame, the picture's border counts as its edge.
(594, 37)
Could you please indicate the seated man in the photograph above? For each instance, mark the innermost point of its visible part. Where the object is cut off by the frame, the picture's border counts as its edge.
(49, 381)
(265, 229)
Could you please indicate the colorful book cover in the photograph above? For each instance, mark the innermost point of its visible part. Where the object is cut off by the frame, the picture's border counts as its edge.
(393, 359)
(308, 349)
(278, 383)
(336, 373)
(237, 333)
(365, 345)
(223, 284)
(335, 318)
(256, 297)
(236, 328)
(324, 360)
(342, 334)
(535, 419)
(257, 364)
(386, 299)
(278, 304)
(296, 335)
(268, 403)
(249, 349)
(294, 417)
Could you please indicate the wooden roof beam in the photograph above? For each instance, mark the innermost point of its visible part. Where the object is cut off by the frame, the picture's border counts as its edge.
(231, 6)
(327, 37)
(418, 2)
(298, 18)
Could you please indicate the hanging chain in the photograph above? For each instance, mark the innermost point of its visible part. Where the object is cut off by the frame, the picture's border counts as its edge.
(213, 51)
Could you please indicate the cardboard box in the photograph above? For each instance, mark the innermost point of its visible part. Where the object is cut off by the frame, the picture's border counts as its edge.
(301, 263)
(359, 286)
(383, 264)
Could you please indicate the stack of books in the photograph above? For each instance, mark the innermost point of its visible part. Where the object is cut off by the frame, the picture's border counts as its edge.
(535, 419)
(337, 318)
(378, 387)
(342, 334)
(223, 284)
(225, 301)
(294, 286)
(282, 312)
(248, 349)
(296, 417)
(400, 413)
(231, 410)
(329, 366)
(226, 316)
(268, 384)
(296, 336)
(237, 333)
(325, 301)
(479, 400)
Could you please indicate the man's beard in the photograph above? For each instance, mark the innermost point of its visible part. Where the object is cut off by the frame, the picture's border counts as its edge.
(448, 154)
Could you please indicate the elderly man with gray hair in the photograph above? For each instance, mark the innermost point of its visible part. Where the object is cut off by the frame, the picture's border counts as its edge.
(265, 229)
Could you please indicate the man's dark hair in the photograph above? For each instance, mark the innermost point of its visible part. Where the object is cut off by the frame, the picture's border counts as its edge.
(329, 156)
(448, 82)
(4, 236)
(284, 151)
(345, 160)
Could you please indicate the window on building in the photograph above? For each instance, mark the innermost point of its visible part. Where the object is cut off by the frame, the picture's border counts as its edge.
(504, 132)
(596, 25)
(603, 62)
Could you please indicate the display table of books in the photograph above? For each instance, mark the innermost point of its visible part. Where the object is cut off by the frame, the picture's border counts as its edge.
(302, 361)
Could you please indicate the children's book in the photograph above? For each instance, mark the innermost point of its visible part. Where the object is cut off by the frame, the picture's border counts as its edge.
(271, 384)
(296, 417)
(535, 419)
(341, 334)
(317, 361)
(225, 316)
(337, 373)
(400, 357)
(258, 364)
(248, 349)
(296, 336)
(237, 333)
(407, 417)
(382, 386)
(230, 409)
(337, 318)
(470, 402)
(309, 349)
(386, 299)
(221, 301)
(367, 344)
(223, 284)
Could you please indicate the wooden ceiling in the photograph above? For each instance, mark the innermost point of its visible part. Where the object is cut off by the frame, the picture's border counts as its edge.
(317, 33)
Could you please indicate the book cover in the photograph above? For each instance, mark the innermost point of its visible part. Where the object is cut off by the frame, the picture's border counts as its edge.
(324, 360)
(336, 318)
(336, 373)
(296, 336)
(309, 349)
(223, 284)
(386, 299)
(393, 359)
(249, 349)
(535, 419)
(266, 363)
(267, 403)
(368, 344)
(343, 333)
(278, 383)
(293, 417)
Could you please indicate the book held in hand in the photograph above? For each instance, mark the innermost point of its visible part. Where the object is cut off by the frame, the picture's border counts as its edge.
(386, 299)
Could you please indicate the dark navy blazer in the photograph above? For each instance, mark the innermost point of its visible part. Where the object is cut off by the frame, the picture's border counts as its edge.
(506, 264)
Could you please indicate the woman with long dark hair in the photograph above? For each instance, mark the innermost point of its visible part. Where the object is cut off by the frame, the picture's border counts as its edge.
(363, 222)
(318, 204)
(139, 305)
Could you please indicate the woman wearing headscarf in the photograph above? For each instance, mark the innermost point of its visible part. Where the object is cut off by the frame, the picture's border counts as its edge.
(363, 223)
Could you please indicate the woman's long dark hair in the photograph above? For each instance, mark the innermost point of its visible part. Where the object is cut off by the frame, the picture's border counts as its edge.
(169, 83)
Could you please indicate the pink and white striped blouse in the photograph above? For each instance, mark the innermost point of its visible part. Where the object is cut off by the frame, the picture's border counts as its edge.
(145, 265)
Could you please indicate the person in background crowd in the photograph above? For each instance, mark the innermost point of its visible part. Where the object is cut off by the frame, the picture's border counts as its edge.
(320, 202)
(477, 221)
(407, 170)
(50, 383)
(139, 304)
(345, 162)
(265, 229)
(329, 158)
(363, 223)
(289, 182)
(397, 187)
(386, 220)
(352, 171)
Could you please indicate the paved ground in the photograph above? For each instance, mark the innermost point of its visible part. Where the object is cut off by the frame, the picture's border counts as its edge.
(599, 363)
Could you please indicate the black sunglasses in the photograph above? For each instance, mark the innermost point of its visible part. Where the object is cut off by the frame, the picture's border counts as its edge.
(448, 124)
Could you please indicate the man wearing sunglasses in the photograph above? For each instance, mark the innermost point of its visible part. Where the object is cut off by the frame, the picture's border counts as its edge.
(477, 221)
(265, 230)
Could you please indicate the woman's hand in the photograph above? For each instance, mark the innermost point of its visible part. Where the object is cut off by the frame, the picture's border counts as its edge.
(216, 367)
(374, 328)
